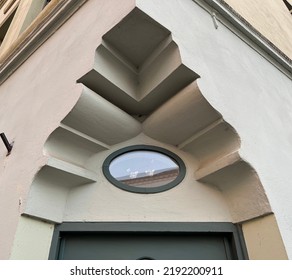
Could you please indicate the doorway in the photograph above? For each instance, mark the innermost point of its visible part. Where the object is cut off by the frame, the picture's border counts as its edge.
(160, 241)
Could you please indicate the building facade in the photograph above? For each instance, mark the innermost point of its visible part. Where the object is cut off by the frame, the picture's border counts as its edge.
(157, 128)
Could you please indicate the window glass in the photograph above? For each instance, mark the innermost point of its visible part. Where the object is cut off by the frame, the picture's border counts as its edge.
(144, 169)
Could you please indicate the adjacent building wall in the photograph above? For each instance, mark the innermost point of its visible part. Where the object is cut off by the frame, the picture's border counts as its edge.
(270, 17)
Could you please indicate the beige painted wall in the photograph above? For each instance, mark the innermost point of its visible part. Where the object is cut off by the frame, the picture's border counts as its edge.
(263, 239)
(35, 99)
(269, 17)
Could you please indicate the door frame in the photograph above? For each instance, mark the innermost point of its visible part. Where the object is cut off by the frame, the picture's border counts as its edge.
(228, 229)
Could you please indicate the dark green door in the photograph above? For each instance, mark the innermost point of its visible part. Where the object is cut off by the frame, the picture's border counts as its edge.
(132, 246)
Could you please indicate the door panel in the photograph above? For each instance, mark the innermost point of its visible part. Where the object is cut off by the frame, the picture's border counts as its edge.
(131, 246)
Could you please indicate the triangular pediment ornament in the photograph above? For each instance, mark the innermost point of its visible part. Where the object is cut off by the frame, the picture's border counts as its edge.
(139, 85)
(138, 66)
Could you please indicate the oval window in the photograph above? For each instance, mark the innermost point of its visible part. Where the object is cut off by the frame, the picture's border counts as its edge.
(144, 169)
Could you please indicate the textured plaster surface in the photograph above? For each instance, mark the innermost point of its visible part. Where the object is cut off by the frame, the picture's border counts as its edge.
(250, 93)
(38, 96)
(191, 201)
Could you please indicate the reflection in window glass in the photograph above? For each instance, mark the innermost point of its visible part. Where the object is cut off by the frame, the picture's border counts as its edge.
(144, 169)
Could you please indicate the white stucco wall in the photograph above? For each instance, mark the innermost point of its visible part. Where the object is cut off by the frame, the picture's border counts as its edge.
(250, 93)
